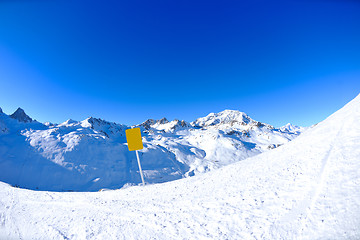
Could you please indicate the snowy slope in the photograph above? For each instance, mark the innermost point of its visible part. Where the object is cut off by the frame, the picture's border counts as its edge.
(92, 154)
(307, 189)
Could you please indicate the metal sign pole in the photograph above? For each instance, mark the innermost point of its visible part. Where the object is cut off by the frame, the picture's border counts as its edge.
(141, 174)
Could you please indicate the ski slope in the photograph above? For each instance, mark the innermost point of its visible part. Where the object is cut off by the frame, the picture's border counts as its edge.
(307, 189)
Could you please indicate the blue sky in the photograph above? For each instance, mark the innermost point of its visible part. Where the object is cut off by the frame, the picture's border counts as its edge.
(125, 61)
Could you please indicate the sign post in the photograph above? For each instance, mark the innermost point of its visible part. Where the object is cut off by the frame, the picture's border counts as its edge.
(133, 137)
(141, 173)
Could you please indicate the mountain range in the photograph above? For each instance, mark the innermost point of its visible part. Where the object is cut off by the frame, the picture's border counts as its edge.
(92, 154)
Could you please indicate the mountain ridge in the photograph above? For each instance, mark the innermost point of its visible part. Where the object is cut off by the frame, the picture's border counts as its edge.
(96, 149)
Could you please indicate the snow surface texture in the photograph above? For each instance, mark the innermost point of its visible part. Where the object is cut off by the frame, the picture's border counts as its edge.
(92, 154)
(306, 189)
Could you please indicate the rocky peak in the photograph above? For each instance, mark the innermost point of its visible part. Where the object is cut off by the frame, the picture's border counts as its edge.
(150, 122)
(103, 126)
(179, 124)
(163, 121)
(21, 116)
(147, 124)
(95, 123)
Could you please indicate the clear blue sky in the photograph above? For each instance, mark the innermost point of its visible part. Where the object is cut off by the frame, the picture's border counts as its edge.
(125, 61)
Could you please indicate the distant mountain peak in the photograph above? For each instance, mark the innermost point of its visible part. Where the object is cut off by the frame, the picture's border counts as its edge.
(224, 117)
(180, 123)
(21, 116)
(289, 125)
(68, 123)
(1, 110)
(91, 122)
(291, 128)
(147, 124)
(150, 122)
(165, 125)
(163, 121)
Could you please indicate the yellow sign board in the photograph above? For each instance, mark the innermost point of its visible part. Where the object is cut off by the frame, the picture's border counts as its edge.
(133, 137)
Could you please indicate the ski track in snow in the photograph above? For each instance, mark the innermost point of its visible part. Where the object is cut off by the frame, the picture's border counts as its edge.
(302, 210)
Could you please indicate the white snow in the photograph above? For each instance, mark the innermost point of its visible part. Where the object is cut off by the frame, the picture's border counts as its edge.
(307, 189)
(70, 155)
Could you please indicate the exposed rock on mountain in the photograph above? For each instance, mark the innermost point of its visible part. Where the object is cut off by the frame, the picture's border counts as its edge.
(21, 116)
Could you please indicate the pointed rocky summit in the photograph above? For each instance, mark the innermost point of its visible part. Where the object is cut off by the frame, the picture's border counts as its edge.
(163, 121)
(21, 116)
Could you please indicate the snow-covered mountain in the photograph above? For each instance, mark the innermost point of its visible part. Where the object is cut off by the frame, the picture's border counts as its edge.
(92, 154)
(307, 189)
(292, 128)
(224, 118)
